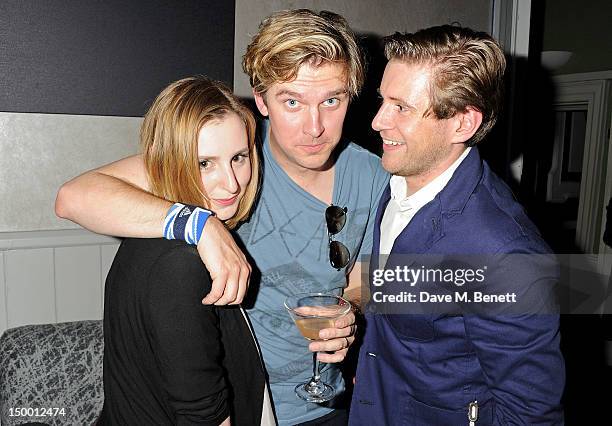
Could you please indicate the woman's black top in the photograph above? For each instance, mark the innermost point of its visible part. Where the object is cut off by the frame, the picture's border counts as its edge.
(168, 359)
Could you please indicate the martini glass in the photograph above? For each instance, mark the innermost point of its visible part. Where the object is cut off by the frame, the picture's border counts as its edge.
(311, 313)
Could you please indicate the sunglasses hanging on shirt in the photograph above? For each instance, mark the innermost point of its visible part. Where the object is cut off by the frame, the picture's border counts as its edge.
(339, 255)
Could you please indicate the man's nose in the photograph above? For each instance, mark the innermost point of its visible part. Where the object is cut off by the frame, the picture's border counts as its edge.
(314, 126)
(381, 120)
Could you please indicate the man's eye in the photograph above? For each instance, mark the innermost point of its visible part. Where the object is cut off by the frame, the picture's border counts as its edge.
(291, 103)
(331, 101)
(204, 164)
(400, 108)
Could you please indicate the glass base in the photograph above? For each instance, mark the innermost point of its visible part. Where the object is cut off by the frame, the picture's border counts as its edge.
(316, 392)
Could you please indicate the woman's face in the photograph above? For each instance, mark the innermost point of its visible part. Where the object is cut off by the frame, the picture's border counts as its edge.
(225, 167)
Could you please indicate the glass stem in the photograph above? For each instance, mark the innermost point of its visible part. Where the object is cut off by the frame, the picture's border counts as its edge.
(315, 373)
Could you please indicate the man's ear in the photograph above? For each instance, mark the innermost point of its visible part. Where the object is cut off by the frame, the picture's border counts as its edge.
(467, 123)
(261, 103)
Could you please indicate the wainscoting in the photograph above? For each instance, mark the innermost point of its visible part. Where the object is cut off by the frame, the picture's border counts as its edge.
(53, 276)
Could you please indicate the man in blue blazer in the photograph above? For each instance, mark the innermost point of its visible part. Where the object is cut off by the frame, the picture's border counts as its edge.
(480, 364)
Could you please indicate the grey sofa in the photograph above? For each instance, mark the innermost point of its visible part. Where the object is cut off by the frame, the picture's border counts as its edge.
(51, 366)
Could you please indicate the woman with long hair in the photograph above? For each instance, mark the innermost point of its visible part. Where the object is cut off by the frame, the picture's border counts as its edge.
(168, 358)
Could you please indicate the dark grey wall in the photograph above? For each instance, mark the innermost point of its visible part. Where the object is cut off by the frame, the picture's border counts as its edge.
(108, 57)
(75, 78)
(582, 27)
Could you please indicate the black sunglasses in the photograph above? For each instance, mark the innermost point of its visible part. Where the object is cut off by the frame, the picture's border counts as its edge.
(339, 255)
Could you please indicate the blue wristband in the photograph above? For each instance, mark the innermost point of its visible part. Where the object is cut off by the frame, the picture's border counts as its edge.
(185, 222)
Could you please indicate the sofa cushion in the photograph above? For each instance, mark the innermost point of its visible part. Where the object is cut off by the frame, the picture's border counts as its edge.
(52, 366)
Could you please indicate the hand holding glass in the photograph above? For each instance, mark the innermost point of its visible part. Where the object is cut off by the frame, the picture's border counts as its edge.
(312, 312)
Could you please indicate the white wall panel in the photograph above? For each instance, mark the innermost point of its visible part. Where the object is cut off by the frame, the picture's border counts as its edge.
(38, 152)
(77, 283)
(3, 312)
(52, 276)
(30, 296)
(107, 254)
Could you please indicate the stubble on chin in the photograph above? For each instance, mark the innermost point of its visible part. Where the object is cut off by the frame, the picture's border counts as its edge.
(416, 163)
(400, 166)
(389, 165)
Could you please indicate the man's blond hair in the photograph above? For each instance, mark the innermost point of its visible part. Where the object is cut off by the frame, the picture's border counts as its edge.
(290, 38)
(468, 70)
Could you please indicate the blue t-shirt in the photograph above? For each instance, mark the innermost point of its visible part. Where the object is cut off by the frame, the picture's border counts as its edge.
(287, 238)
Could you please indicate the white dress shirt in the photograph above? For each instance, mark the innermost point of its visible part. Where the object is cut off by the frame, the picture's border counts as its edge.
(401, 208)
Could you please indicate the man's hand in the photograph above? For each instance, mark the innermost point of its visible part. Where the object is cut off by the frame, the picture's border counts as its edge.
(338, 340)
(227, 265)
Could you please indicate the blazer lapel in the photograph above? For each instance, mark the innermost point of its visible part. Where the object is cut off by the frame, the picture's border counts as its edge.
(422, 232)
(382, 204)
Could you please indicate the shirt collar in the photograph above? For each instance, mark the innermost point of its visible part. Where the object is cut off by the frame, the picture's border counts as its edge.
(424, 195)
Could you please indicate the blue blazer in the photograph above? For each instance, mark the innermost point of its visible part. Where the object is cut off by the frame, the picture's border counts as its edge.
(425, 369)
